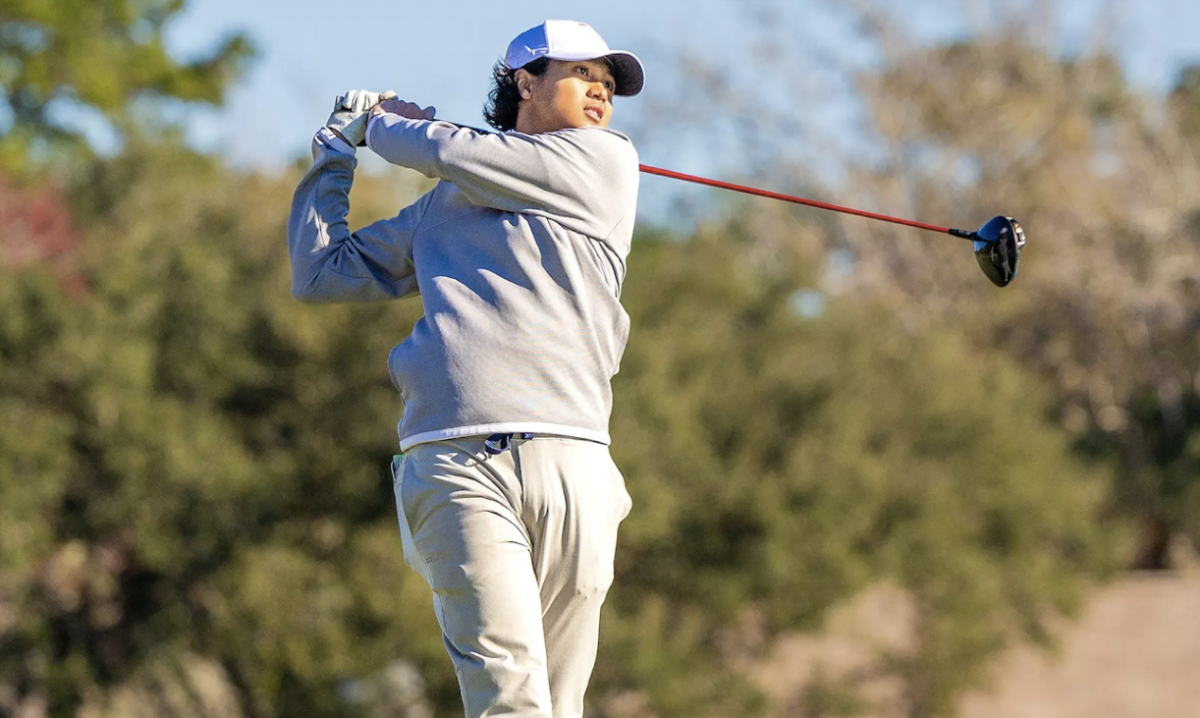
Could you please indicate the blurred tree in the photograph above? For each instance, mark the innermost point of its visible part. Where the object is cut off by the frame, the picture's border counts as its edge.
(782, 462)
(1108, 303)
(1185, 103)
(67, 63)
(194, 464)
(35, 228)
(1106, 181)
(198, 521)
(196, 518)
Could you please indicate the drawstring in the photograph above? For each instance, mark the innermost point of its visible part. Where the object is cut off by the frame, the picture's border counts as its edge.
(500, 443)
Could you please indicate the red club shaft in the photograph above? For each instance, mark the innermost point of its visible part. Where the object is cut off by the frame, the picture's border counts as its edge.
(795, 200)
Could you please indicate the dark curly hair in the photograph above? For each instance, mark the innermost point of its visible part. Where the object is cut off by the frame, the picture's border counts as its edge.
(504, 99)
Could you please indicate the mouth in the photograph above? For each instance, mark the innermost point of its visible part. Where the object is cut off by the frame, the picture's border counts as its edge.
(595, 112)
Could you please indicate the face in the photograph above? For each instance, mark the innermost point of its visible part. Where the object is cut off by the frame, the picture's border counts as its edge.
(569, 94)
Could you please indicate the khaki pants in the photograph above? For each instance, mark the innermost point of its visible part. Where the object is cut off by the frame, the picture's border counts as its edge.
(518, 549)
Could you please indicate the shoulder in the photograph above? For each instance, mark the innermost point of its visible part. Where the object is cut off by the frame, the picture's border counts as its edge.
(598, 139)
(606, 151)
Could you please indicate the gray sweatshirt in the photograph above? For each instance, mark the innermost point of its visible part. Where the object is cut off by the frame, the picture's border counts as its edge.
(518, 255)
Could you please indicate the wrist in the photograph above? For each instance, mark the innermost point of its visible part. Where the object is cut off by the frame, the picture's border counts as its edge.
(337, 133)
(334, 140)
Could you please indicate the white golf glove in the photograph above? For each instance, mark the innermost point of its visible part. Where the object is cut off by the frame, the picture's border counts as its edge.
(350, 112)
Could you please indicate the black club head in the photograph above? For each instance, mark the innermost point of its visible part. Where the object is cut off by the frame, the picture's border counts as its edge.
(998, 245)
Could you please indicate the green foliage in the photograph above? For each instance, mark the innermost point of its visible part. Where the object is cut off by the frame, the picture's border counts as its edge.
(197, 511)
(59, 56)
(196, 518)
(35, 457)
(781, 464)
(194, 463)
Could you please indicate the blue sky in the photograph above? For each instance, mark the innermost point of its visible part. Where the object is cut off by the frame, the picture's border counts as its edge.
(440, 53)
(433, 53)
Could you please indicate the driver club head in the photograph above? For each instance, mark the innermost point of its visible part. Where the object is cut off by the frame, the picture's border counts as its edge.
(998, 245)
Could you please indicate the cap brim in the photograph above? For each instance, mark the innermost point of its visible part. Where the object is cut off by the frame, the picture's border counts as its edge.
(627, 69)
(629, 73)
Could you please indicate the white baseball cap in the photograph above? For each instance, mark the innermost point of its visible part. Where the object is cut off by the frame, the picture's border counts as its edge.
(570, 40)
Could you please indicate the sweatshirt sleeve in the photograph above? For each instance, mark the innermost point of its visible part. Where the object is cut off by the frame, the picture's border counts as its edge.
(584, 178)
(331, 264)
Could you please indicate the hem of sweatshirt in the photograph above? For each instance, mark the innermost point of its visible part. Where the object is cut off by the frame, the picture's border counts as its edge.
(505, 427)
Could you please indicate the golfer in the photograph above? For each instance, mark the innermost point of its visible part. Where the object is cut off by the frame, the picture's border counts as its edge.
(508, 499)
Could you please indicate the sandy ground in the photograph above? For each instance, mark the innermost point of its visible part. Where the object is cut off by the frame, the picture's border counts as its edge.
(1134, 652)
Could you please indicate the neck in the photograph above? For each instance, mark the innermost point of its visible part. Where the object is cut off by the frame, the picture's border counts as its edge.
(528, 122)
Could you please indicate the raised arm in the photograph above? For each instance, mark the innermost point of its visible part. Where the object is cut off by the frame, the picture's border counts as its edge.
(331, 264)
(585, 178)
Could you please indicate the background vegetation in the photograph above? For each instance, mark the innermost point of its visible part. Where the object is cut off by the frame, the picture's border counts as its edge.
(195, 517)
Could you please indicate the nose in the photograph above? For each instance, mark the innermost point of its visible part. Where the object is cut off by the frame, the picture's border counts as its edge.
(598, 91)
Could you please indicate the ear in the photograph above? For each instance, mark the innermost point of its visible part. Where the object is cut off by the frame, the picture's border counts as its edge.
(524, 84)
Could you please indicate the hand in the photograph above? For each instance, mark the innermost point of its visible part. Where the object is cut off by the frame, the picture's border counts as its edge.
(349, 118)
(404, 109)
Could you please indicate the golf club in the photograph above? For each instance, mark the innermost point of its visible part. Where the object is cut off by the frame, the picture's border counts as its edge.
(997, 244)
